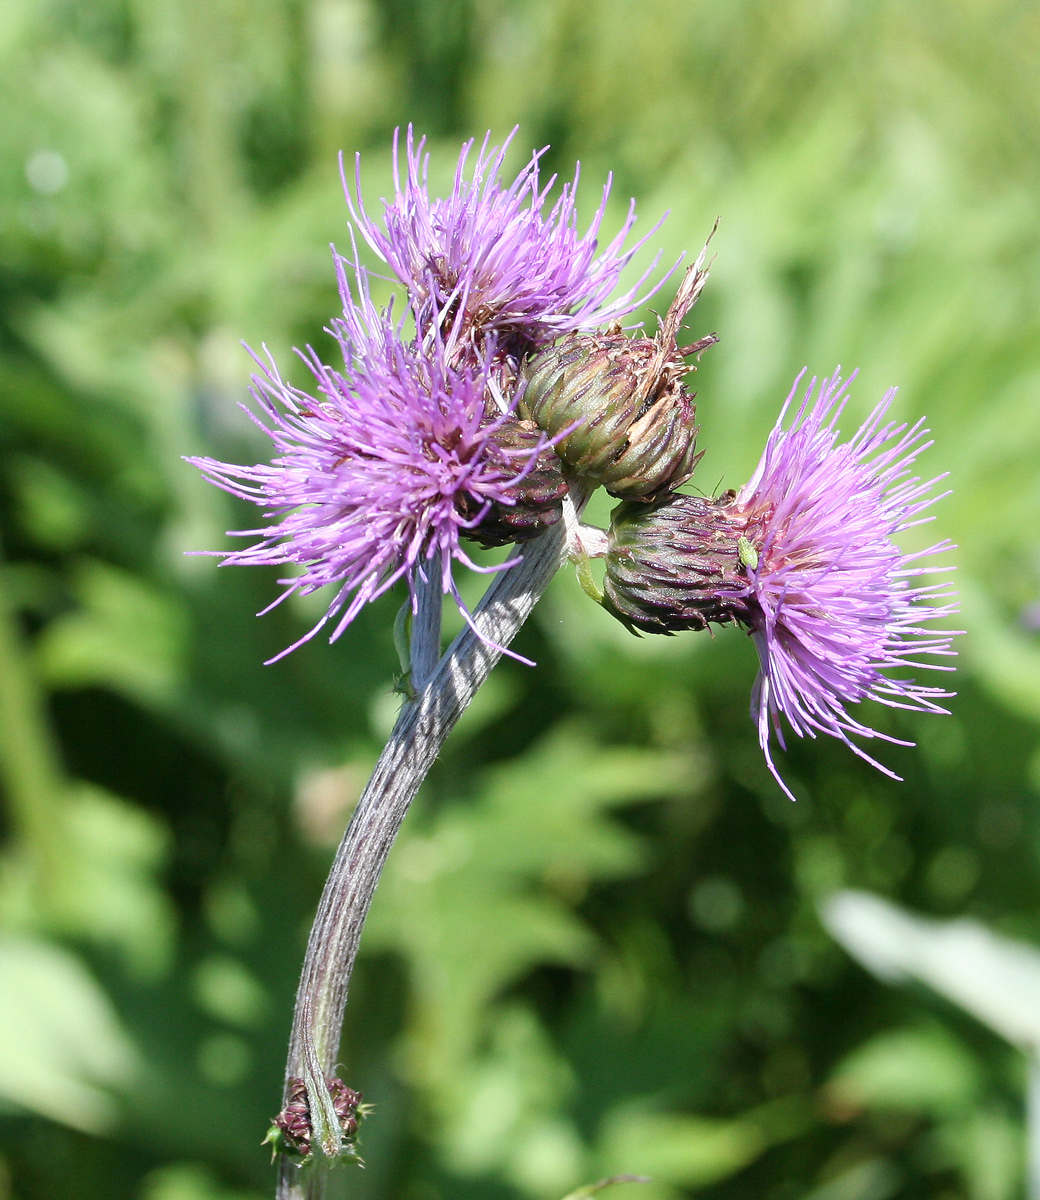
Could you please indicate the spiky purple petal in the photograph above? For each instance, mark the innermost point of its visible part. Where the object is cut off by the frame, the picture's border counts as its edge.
(375, 475)
(490, 258)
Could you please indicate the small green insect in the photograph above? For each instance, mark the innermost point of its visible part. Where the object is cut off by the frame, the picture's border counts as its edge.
(747, 553)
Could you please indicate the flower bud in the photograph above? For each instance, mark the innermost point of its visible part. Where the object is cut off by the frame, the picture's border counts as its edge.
(292, 1134)
(677, 565)
(537, 496)
(634, 428)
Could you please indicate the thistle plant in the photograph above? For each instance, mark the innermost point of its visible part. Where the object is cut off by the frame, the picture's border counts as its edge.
(486, 409)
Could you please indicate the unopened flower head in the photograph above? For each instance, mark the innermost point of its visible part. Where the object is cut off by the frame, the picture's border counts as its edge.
(803, 555)
(491, 258)
(379, 474)
(616, 406)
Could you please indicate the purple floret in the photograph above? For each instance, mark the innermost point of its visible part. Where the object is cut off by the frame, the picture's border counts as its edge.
(374, 475)
(489, 259)
(832, 600)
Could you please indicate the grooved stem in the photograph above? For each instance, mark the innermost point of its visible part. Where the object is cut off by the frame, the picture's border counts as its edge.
(420, 732)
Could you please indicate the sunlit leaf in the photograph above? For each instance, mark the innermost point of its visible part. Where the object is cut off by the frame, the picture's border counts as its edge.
(63, 1051)
(993, 977)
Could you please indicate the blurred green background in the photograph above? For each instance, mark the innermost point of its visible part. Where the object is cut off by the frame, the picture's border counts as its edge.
(596, 946)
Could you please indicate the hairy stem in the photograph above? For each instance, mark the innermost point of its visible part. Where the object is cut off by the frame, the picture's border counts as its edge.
(420, 732)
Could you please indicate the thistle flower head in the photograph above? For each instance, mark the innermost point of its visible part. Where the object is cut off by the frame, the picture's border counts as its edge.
(831, 598)
(386, 467)
(804, 557)
(491, 258)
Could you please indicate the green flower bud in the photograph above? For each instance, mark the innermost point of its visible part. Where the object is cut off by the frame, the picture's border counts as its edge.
(677, 565)
(634, 422)
(537, 497)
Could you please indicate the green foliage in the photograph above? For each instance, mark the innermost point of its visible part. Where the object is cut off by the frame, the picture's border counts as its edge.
(69, 1051)
(916, 1070)
(462, 901)
(595, 951)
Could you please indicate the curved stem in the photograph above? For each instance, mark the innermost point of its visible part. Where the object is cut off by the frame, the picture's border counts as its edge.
(420, 732)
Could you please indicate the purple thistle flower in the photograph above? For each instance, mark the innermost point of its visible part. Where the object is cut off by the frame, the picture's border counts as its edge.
(830, 599)
(803, 557)
(489, 260)
(375, 475)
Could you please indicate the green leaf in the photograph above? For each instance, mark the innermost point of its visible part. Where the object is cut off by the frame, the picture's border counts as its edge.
(63, 1052)
(188, 1181)
(127, 635)
(686, 1151)
(920, 1070)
